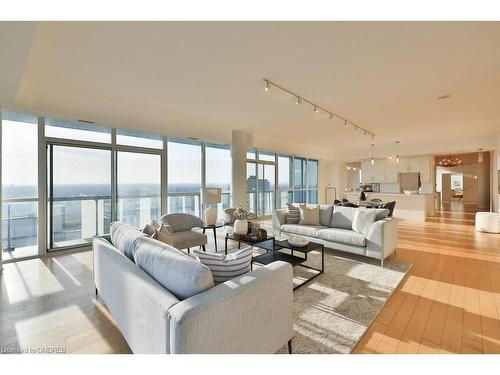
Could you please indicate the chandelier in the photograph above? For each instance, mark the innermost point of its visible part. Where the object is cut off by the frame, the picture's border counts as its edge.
(449, 162)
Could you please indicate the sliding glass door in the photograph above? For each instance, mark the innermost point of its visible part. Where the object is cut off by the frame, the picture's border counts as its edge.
(79, 194)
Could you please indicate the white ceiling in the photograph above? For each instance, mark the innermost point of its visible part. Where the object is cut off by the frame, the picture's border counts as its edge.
(203, 79)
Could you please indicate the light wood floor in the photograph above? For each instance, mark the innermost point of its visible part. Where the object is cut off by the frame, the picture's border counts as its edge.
(449, 302)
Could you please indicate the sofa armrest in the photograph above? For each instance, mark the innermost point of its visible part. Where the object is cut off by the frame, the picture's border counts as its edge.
(279, 218)
(382, 238)
(138, 304)
(252, 313)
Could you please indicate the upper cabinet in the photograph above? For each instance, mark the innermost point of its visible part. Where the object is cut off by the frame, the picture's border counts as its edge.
(386, 170)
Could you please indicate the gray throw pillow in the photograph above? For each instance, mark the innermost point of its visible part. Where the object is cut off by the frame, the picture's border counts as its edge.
(177, 272)
(292, 214)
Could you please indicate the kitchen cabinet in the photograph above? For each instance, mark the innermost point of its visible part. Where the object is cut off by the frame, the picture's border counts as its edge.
(386, 170)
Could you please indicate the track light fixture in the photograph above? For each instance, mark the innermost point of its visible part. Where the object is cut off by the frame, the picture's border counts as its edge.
(317, 108)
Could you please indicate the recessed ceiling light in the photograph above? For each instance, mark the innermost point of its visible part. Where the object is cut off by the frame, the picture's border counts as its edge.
(442, 97)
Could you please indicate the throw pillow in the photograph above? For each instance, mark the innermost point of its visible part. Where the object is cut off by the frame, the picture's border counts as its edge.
(363, 221)
(226, 267)
(164, 234)
(309, 215)
(292, 214)
(123, 236)
(149, 230)
(154, 224)
(177, 272)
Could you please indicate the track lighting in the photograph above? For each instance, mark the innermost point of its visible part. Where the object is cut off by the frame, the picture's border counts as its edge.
(317, 108)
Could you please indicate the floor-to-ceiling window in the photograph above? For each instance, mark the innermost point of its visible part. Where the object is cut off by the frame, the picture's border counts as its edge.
(285, 180)
(79, 194)
(312, 181)
(138, 188)
(184, 176)
(261, 182)
(218, 171)
(19, 185)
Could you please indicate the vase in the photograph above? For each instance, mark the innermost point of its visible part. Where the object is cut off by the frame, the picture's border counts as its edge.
(362, 196)
(241, 227)
(211, 215)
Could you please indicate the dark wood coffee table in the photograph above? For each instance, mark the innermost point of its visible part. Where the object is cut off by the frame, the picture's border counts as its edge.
(273, 254)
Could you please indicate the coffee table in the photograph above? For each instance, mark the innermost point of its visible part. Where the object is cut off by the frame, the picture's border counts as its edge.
(273, 254)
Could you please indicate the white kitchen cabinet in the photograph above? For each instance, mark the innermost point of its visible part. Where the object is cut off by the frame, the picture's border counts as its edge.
(379, 171)
(425, 169)
(390, 171)
(366, 172)
(402, 165)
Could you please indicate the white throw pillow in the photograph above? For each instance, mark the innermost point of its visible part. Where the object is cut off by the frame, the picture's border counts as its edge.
(309, 215)
(363, 220)
(225, 267)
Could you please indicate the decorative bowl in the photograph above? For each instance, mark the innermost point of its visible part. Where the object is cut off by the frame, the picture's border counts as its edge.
(298, 241)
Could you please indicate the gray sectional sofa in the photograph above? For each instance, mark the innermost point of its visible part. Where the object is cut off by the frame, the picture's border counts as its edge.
(165, 301)
(335, 231)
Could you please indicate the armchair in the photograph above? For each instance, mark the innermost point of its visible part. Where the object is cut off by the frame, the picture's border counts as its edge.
(184, 237)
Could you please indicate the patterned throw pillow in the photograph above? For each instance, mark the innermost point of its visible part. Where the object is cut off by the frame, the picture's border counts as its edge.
(225, 267)
(292, 214)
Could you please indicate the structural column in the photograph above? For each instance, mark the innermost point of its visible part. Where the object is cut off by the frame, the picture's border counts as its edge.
(241, 142)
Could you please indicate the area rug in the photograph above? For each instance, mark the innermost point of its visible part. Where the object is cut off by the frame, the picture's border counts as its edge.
(332, 312)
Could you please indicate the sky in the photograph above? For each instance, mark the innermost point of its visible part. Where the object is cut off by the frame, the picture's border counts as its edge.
(19, 153)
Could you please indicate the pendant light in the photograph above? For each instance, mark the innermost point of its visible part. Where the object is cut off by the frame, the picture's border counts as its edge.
(397, 155)
(373, 160)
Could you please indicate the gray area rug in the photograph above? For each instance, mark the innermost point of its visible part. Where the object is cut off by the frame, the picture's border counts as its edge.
(332, 312)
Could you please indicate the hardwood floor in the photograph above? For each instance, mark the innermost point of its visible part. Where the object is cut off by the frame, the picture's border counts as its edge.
(448, 303)
(450, 300)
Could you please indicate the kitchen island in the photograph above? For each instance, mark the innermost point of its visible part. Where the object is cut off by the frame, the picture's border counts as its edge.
(410, 207)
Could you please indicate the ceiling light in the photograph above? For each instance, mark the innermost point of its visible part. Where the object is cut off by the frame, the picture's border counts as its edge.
(480, 157)
(448, 162)
(348, 167)
(373, 160)
(397, 155)
(353, 168)
(316, 108)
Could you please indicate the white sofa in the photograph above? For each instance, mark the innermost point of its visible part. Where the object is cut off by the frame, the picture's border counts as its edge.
(335, 231)
(238, 316)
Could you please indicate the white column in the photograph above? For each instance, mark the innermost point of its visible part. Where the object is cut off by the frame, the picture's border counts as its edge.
(1, 217)
(241, 142)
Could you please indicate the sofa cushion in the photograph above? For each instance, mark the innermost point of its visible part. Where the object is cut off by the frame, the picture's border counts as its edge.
(177, 272)
(225, 267)
(292, 214)
(325, 214)
(309, 215)
(345, 236)
(304, 230)
(189, 238)
(342, 217)
(363, 220)
(123, 236)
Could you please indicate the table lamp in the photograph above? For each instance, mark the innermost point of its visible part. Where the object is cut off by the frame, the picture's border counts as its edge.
(210, 196)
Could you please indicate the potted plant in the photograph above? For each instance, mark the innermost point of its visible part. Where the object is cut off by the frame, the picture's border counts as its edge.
(242, 217)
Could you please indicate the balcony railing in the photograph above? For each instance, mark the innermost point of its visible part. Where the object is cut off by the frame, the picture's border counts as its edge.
(75, 220)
